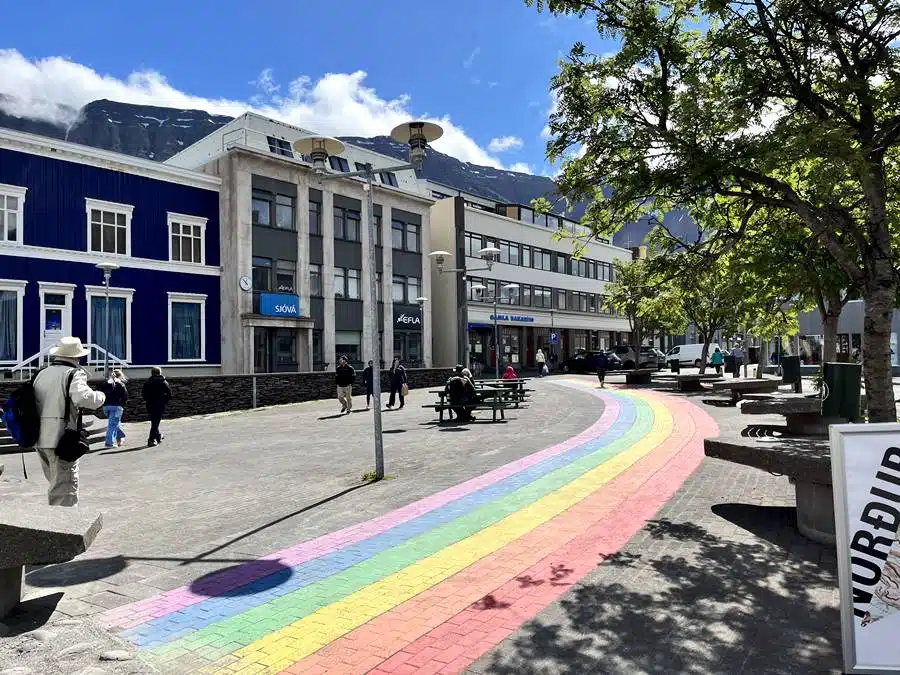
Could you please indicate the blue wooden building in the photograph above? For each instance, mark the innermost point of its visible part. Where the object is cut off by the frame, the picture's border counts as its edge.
(66, 208)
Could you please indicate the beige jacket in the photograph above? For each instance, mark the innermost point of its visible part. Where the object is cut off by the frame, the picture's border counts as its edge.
(49, 388)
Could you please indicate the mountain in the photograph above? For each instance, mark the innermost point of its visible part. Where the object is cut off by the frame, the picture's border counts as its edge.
(157, 133)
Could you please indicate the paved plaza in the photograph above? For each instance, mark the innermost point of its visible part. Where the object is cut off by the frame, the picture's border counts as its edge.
(587, 534)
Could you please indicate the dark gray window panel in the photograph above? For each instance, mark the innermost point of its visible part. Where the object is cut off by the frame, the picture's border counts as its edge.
(348, 314)
(347, 203)
(315, 195)
(377, 209)
(379, 261)
(317, 311)
(272, 185)
(406, 216)
(381, 318)
(271, 243)
(316, 256)
(347, 254)
(408, 264)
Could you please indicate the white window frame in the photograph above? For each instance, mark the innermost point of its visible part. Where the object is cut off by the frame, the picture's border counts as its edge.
(193, 298)
(18, 287)
(184, 219)
(126, 209)
(114, 292)
(19, 192)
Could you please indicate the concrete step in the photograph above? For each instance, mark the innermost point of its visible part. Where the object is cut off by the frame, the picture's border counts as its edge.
(96, 434)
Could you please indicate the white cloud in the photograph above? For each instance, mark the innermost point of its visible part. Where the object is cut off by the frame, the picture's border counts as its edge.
(55, 88)
(504, 143)
(522, 167)
(471, 58)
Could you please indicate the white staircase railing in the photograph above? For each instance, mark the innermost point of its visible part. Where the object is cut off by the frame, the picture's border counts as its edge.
(26, 368)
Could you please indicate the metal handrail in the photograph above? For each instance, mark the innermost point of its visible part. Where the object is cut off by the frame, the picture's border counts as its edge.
(24, 369)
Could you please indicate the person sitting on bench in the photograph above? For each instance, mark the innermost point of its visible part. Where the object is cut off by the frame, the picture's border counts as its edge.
(462, 396)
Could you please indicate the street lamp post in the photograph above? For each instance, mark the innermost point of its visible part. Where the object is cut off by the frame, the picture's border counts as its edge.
(417, 135)
(107, 269)
(495, 299)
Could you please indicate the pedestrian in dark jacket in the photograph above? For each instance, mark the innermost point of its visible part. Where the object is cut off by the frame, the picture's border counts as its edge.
(367, 378)
(398, 378)
(344, 377)
(114, 406)
(602, 367)
(156, 394)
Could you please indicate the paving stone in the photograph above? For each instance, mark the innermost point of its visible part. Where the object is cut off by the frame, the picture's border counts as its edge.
(116, 655)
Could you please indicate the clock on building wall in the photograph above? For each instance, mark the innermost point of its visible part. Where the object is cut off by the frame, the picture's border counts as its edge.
(246, 283)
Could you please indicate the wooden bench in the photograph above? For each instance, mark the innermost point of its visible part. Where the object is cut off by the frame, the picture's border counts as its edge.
(694, 382)
(36, 534)
(805, 461)
(740, 387)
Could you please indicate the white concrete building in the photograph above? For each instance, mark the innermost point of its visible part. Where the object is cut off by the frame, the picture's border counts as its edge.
(557, 293)
(295, 269)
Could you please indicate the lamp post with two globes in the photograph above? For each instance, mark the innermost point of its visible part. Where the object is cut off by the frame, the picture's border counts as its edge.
(417, 135)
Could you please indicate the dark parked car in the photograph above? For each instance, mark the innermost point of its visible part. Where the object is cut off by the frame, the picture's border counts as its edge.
(581, 362)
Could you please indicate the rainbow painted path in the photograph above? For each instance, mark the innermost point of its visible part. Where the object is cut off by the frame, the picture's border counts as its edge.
(432, 586)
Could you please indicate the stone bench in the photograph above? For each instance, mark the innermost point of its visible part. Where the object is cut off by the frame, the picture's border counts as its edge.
(36, 534)
(639, 376)
(806, 462)
(803, 414)
(694, 382)
(740, 387)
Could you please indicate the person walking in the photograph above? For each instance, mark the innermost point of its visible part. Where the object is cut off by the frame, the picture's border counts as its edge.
(344, 377)
(602, 367)
(539, 361)
(116, 397)
(717, 360)
(738, 355)
(157, 394)
(367, 379)
(398, 379)
(60, 387)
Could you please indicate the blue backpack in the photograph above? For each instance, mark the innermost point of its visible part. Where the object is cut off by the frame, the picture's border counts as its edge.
(20, 415)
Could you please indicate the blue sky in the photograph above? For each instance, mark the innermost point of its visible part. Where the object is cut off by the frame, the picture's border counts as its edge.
(483, 64)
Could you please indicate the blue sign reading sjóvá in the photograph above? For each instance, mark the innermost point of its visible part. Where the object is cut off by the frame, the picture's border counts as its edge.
(279, 304)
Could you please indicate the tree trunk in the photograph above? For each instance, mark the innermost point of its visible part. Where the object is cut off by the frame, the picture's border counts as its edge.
(879, 312)
(704, 354)
(763, 358)
(830, 313)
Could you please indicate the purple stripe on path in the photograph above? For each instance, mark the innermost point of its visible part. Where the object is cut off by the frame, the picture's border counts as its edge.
(135, 614)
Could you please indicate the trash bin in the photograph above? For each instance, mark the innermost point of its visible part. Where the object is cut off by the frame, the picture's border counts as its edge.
(675, 366)
(729, 364)
(840, 390)
(790, 372)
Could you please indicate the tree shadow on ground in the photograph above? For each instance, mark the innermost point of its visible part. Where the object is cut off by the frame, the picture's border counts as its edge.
(715, 605)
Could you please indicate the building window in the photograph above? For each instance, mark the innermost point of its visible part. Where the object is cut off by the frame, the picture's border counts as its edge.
(261, 208)
(12, 203)
(388, 178)
(526, 215)
(270, 209)
(592, 303)
(509, 253)
(285, 276)
(315, 280)
(109, 227)
(510, 296)
(405, 236)
(412, 237)
(378, 236)
(262, 274)
(560, 299)
(346, 224)
(187, 327)
(561, 263)
(360, 166)
(284, 212)
(315, 218)
(346, 283)
(413, 289)
(318, 351)
(279, 146)
(379, 278)
(526, 256)
(472, 244)
(525, 295)
(592, 270)
(397, 231)
(348, 343)
(12, 293)
(187, 235)
(541, 260)
(118, 342)
(398, 290)
(542, 297)
(339, 164)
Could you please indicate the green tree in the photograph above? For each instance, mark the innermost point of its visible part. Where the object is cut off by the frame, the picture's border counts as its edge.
(788, 104)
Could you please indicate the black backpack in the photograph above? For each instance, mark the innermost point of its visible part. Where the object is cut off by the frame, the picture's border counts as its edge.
(21, 417)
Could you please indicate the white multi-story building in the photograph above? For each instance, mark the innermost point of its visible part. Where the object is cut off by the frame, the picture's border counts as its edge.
(294, 263)
(557, 305)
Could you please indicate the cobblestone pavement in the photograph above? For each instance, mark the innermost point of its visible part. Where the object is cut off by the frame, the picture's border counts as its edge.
(497, 573)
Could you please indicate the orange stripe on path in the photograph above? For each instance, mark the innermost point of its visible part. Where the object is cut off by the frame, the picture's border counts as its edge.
(450, 625)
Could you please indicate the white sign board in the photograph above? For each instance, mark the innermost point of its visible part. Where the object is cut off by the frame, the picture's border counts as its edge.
(865, 469)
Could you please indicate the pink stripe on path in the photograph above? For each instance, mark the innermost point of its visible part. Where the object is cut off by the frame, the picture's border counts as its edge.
(129, 616)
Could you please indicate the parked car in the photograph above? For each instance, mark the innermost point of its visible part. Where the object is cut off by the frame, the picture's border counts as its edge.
(628, 356)
(660, 357)
(581, 362)
(689, 355)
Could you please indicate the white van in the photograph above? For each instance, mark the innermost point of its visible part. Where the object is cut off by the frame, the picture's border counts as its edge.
(689, 355)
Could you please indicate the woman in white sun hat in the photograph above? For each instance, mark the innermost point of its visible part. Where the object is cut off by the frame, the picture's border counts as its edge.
(51, 393)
